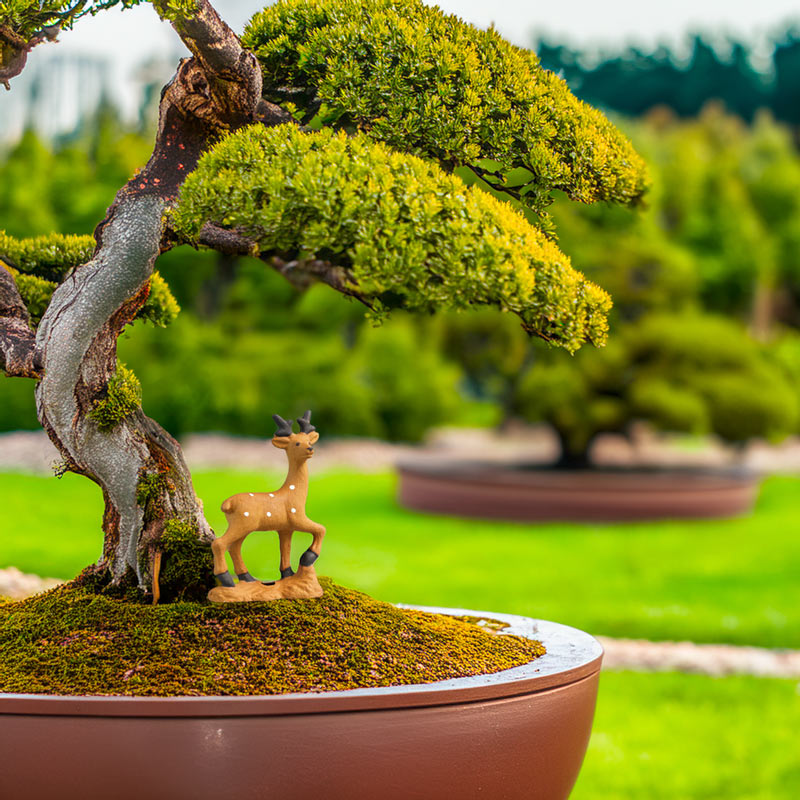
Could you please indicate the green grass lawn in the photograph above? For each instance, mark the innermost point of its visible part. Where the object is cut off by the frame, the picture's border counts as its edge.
(722, 581)
(689, 737)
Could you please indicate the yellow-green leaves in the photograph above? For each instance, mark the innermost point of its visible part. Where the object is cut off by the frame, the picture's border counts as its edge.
(429, 84)
(411, 234)
(40, 263)
(50, 257)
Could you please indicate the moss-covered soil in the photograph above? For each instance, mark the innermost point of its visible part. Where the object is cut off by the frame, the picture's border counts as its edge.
(72, 641)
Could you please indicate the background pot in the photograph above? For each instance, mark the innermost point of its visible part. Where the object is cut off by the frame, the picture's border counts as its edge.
(523, 493)
(520, 733)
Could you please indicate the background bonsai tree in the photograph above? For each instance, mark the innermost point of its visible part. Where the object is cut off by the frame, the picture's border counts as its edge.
(704, 289)
(325, 143)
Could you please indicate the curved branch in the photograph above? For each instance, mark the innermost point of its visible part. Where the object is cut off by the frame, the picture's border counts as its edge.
(17, 340)
(233, 72)
(301, 273)
(14, 50)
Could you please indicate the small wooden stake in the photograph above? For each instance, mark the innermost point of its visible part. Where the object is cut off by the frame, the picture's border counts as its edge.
(156, 571)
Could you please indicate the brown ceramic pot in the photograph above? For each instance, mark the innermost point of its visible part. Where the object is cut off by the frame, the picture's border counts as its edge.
(523, 493)
(520, 733)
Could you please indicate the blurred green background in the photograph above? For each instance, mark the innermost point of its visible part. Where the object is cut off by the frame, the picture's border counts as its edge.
(706, 284)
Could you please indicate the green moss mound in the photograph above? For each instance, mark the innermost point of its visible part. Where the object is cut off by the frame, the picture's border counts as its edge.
(70, 641)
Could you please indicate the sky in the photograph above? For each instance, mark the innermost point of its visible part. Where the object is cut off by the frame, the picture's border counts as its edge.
(127, 37)
(611, 22)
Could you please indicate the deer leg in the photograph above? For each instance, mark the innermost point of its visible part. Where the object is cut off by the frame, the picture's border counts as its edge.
(222, 545)
(317, 531)
(285, 539)
(238, 562)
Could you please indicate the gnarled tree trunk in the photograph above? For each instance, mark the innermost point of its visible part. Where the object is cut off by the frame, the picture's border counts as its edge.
(150, 505)
(77, 340)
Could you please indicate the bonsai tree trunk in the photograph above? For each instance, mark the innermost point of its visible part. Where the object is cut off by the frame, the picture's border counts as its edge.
(575, 450)
(94, 421)
(90, 407)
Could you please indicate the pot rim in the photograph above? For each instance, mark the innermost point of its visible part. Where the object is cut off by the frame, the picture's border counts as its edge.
(572, 655)
(519, 472)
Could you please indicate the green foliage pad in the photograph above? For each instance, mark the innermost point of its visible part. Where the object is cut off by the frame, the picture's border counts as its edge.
(411, 234)
(429, 84)
(69, 641)
(40, 263)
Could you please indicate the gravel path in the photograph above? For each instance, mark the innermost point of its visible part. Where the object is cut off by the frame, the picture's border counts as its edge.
(621, 654)
(32, 451)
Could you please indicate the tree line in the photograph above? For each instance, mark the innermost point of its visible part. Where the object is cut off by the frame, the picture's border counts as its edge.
(634, 81)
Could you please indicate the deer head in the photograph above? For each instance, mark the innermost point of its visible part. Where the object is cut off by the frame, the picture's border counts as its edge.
(298, 446)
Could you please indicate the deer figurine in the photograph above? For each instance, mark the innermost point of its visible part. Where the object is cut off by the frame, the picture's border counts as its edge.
(284, 511)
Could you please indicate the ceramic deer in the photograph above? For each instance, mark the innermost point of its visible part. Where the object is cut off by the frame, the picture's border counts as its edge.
(284, 511)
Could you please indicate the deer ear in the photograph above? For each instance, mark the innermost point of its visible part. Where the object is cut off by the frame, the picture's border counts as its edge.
(312, 437)
(281, 442)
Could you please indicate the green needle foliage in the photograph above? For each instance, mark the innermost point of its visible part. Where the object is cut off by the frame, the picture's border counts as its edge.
(40, 263)
(429, 84)
(50, 257)
(411, 235)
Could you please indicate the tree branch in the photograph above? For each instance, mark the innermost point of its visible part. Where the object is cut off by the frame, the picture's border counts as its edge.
(14, 50)
(233, 74)
(17, 340)
(301, 273)
(217, 90)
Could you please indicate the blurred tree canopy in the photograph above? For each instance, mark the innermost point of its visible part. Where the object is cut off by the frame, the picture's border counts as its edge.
(706, 286)
(635, 81)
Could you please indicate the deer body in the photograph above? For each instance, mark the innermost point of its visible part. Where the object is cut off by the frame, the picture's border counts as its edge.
(283, 510)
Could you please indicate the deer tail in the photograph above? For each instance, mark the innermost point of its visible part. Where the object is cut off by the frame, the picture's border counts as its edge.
(227, 505)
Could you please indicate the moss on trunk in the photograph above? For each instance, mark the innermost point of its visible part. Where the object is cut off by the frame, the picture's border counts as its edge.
(73, 641)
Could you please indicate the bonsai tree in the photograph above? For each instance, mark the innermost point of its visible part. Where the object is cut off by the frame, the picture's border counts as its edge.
(681, 372)
(324, 142)
(687, 276)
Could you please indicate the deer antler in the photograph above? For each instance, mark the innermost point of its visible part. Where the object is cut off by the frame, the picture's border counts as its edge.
(305, 423)
(284, 427)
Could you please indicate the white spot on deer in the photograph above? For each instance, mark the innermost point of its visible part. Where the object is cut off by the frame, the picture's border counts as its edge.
(271, 495)
(269, 513)
(247, 513)
(294, 510)
(251, 494)
(291, 486)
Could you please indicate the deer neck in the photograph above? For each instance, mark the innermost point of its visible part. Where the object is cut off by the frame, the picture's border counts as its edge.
(297, 477)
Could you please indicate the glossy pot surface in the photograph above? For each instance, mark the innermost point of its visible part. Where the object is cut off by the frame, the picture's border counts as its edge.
(517, 492)
(520, 733)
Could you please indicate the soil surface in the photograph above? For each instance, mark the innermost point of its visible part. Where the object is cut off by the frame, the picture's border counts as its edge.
(621, 654)
(78, 640)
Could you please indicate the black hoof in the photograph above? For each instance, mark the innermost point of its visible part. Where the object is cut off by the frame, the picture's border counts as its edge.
(247, 577)
(308, 558)
(287, 573)
(225, 579)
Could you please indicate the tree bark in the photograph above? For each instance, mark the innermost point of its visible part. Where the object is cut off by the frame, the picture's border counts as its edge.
(146, 485)
(573, 458)
(17, 340)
